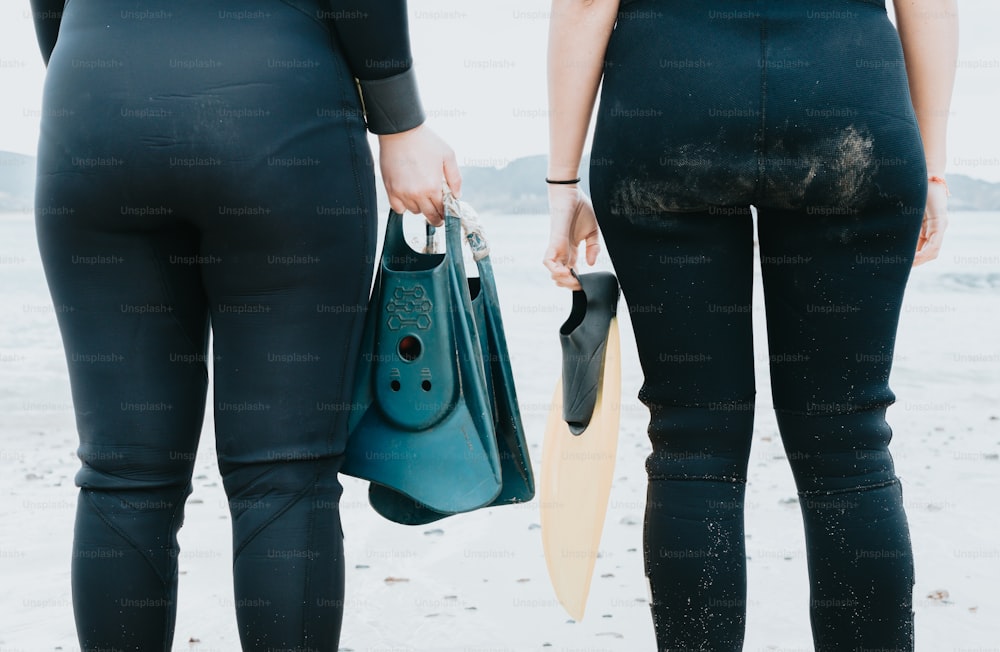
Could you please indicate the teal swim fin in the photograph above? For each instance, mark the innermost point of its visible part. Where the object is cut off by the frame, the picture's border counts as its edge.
(518, 483)
(518, 480)
(421, 425)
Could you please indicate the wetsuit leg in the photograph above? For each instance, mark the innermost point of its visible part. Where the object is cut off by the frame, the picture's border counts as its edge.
(135, 333)
(287, 308)
(833, 290)
(693, 332)
(843, 194)
(228, 179)
(664, 180)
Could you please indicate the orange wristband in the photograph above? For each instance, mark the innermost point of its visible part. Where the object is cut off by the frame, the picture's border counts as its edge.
(937, 179)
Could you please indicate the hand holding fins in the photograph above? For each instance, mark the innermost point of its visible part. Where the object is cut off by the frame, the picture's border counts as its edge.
(435, 424)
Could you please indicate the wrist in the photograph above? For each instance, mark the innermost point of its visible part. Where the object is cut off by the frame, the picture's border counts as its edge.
(398, 134)
(559, 172)
(935, 161)
(939, 180)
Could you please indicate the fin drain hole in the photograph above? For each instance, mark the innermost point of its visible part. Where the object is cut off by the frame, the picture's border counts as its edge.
(409, 348)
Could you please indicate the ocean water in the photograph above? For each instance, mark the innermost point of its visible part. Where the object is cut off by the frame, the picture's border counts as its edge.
(469, 578)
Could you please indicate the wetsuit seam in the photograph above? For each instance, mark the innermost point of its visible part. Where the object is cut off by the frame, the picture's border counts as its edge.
(710, 404)
(709, 478)
(122, 534)
(858, 410)
(867, 487)
(347, 98)
(257, 530)
(361, 298)
(336, 415)
(302, 11)
(307, 584)
(761, 144)
(165, 286)
(171, 585)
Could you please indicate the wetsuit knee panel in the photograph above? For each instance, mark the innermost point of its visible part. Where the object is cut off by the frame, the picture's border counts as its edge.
(114, 467)
(261, 494)
(710, 442)
(146, 521)
(838, 452)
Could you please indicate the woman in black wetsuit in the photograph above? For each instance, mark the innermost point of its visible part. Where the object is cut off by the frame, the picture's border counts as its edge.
(809, 111)
(205, 164)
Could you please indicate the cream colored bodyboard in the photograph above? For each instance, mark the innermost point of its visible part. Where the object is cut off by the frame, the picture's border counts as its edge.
(575, 484)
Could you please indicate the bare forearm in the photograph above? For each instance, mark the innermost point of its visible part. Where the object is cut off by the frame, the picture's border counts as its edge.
(578, 38)
(928, 30)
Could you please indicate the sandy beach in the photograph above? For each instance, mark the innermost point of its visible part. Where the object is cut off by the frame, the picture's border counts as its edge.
(477, 582)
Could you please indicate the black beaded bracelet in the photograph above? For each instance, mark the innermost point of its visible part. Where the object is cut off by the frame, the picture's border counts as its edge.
(566, 182)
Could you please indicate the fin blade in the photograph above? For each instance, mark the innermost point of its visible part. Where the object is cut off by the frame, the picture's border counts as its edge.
(575, 485)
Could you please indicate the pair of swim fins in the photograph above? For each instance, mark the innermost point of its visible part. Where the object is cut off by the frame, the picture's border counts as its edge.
(581, 440)
(435, 424)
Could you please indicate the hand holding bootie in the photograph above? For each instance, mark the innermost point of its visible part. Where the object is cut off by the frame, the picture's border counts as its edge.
(584, 339)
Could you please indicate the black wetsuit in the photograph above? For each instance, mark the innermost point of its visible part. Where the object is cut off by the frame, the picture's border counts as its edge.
(204, 163)
(800, 108)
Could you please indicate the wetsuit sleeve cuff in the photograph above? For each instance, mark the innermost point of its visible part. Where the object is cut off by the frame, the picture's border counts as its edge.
(392, 105)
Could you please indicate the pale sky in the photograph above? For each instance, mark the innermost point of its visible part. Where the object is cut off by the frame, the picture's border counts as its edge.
(481, 66)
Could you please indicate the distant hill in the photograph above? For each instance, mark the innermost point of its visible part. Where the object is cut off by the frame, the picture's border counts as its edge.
(517, 188)
(968, 194)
